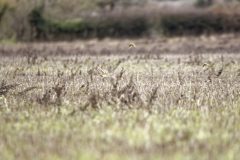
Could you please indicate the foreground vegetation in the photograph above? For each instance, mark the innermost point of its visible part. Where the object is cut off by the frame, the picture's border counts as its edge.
(56, 104)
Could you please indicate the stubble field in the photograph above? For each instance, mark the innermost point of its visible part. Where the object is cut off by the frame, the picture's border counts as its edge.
(176, 98)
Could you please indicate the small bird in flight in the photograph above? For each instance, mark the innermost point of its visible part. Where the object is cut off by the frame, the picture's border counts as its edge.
(131, 45)
(101, 72)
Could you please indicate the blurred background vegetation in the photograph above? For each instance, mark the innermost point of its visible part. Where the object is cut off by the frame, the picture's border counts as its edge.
(27, 20)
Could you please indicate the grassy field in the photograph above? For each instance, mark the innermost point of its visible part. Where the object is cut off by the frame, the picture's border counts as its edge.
(155, 101)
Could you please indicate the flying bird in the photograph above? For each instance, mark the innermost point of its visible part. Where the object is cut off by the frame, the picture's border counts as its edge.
(205, 64)
(101, 72)
(131, 45)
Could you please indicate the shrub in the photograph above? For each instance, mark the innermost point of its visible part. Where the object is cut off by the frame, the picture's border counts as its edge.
(203, 3)
(38, 23)
(199, 23)
(110, 26)
(122, 27)
(4, 6)
(133, 24)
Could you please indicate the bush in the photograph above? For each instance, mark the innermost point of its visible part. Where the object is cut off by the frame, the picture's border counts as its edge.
(203, 3)
(111, 26)
(38, 23)
(132, 24)
(122, 27)
(2, 11)
(199, 23)
(4, 6)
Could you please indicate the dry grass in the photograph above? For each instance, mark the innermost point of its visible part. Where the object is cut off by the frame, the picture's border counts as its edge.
(56, 105)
